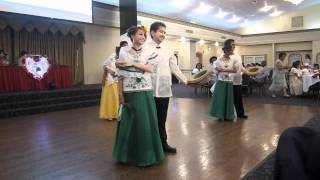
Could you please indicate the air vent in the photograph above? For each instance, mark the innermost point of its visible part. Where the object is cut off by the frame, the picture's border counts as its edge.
(189, 31)
(297, 21)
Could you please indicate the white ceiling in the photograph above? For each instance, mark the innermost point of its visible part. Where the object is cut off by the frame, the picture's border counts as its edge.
(206, 12)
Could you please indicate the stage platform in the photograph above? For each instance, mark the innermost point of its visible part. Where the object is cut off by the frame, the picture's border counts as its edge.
(32, 102)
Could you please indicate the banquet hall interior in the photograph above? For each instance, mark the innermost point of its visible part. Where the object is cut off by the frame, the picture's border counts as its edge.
(52, 56)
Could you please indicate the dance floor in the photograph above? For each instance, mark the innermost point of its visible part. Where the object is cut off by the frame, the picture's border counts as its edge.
(75, 144)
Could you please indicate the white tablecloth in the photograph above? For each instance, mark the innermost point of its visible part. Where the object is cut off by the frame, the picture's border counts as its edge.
(308, 81)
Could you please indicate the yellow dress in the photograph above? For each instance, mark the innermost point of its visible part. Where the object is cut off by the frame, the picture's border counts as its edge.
(109, 102)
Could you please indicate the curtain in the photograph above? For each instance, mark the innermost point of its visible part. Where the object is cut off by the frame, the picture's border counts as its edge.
(6, 42)
(61, 49)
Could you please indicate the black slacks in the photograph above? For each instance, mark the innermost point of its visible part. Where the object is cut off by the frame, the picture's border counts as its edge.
(237, 96)
(162, 109)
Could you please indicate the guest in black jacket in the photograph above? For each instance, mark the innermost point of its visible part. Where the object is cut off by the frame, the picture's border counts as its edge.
(298, 155)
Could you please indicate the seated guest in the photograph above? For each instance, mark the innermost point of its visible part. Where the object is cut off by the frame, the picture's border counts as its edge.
(4, 58)
(263, 74)
(295, 79)
(316, 68)
(22, 57)
(306, 69)
(212, 61)
(307, 59)
(197, 69)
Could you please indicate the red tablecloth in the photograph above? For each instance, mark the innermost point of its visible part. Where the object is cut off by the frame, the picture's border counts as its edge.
(15, 78)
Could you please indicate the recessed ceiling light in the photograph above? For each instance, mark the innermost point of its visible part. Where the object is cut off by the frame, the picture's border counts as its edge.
(296, 2)
(221, 14)
(183, 39)
(180, 4)
(244, 23)
(203, 8)
(217, 43)
(266, 7)
(276, 13)
(234, 19)
(201, 42)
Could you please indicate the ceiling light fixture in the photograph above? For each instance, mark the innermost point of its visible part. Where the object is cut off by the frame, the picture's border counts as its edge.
(266, 7)
(203, 8)
(296, 2)
(244, 23)
(234, 19)
(276, 13)
(183, 39)
(201, 42)
(180, 4)
(221, 14)
(217, 43)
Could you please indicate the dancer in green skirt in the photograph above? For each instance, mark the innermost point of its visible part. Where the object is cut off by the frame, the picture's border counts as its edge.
(221, 105)
(137, 140)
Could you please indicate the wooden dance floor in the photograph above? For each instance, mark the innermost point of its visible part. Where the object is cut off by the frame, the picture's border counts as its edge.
(75, 144)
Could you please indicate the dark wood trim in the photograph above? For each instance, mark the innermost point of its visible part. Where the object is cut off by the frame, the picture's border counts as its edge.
(104, 6)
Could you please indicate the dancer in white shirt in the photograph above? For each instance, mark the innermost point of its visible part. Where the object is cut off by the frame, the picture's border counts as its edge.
(161, 78)
(237, 79)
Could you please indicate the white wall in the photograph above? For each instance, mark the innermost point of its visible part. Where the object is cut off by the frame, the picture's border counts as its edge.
(183, 49)
(263, 49)
(208, 50)
(295, 46)
(100, 42)
(272, 50)
(315, 50)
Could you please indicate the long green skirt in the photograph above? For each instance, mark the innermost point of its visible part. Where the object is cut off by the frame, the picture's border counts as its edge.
(137, 139)
(222, 105)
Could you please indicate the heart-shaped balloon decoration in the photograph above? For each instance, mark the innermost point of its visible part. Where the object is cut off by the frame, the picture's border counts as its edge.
(37, 66)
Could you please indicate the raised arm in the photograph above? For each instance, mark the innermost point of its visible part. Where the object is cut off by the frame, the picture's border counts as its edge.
(176, 70)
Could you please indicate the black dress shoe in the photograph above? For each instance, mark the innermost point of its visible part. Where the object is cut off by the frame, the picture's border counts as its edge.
(243, 116)
(169, 149)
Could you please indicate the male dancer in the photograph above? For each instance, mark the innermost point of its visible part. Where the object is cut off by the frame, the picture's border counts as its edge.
(161, 79)
(237, 80)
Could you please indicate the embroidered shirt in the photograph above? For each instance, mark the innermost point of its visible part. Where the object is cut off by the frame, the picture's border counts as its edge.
(135, 79)
(226, 64)
(166, 64)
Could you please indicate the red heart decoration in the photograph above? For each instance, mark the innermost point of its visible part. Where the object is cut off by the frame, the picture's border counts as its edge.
(37, 66)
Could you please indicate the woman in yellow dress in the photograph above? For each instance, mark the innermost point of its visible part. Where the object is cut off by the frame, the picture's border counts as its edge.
(109, 102)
